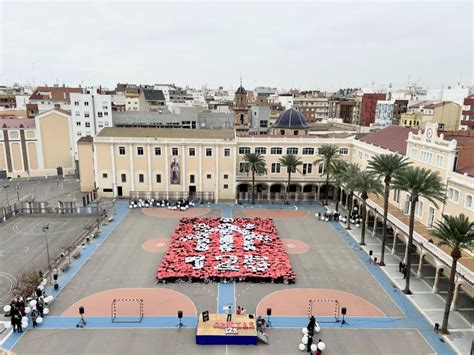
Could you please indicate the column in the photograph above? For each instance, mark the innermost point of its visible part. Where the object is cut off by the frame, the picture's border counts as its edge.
(436, 281)
(420, 266)
(318, 191)
(167, 178)
(184, 178)
(114, 177)
(200, 168)
(132, 171)
(340, 195)
(366, 219)
(394, 242)
(454, 305)
(150, 178)
(96, 172)
(216, 197)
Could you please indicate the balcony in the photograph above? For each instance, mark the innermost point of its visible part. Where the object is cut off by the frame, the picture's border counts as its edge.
(469, 123)
(467, 112)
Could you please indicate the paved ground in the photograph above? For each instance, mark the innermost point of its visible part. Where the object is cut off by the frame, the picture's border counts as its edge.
(167, 342)
(41, 189)
(23, 245)
(122, 259)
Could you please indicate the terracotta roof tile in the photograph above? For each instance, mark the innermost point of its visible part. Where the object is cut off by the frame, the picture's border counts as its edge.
(57, 93)
(393, 138)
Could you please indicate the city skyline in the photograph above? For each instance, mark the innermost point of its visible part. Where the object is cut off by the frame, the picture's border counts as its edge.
(179, 43)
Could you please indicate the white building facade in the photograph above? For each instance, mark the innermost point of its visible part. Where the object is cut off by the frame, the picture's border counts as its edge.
(384, 113)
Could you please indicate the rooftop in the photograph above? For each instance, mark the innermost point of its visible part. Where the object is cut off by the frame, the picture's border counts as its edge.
(168, 133)
(17, 123)
(393, 138)
(56, 93)
(154, 95)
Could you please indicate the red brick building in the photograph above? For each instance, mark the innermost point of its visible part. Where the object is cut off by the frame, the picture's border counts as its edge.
(367, 108)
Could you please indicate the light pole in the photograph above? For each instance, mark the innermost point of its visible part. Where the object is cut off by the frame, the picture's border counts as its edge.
(114, 202)
(5, 187)
(96, 190)
(45, 231)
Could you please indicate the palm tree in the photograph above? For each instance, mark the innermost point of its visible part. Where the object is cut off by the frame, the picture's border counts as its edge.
(457, 232)
(338, 170)
(349, 183)
(255, 163)
(418, 182)
(365, 183)
(291, 162)
(329, 153)
(385, 166)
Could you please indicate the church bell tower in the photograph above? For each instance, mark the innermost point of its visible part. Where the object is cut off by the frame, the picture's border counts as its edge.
(241, 111)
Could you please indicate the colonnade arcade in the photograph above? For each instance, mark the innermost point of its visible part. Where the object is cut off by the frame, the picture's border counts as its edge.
(397, 243)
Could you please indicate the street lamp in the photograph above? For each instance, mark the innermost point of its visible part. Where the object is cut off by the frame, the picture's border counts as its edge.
(5, 187)
(45, 231)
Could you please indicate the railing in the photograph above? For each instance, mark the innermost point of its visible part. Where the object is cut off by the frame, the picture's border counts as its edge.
(462, 270)
(38, 208)
(277, 197)
(172, 196)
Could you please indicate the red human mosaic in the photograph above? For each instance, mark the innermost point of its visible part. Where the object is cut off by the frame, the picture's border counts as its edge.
(218, 249)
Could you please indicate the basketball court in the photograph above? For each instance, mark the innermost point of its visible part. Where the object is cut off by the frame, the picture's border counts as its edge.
(118, 282)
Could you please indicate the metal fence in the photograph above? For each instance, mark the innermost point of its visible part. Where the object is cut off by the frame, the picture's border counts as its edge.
(278, 198)
(59, 207)
(173, 196)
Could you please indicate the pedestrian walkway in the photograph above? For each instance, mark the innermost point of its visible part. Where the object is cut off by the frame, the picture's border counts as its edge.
(426, 302)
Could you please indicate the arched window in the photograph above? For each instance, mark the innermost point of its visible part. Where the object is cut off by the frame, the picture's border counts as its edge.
(241, 118)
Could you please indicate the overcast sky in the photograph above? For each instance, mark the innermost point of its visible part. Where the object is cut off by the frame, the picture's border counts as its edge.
(323, 45)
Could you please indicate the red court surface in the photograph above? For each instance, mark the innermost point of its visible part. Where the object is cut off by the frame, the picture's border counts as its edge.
(157, 245)
(164, 212)
(295, 302)
(156, 302)
(278, 214)
(295, 246)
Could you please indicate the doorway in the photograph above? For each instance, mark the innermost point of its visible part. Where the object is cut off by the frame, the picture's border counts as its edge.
(119, 191)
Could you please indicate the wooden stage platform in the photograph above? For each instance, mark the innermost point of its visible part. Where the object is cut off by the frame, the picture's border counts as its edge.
(241, 331)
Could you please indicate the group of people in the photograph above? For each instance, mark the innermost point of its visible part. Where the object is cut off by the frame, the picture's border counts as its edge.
(180, 203)
(329, 216)
(18, 310)
(311, 332)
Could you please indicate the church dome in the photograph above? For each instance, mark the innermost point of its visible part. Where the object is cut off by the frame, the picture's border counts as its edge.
(291, 119)
(241, 90)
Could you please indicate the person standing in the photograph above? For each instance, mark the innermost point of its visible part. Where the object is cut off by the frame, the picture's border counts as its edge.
(405, 272)
(239, 310)
(229, 314)
(34, 316)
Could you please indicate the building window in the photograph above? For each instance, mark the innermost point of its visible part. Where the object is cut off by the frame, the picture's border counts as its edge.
(308, 151)
(158, 178)
(226, 176)
(78, 114)
(121, 150)
(88, 124)
(157, 151)
(413, 153)
(208, 176)
(396, 195)
(276, 167)
(242, 167)
(227, 152)
(264, 124)
(276, 151)
(344, 151)
(439, 161)
(453, 194)
(468, 202)
(141, 178)
(244, 150)
(79, 133)
(78, 123)
(419, 209)
(86, 103)
(307, 168)
(140, 151)
(191, 179)
(321, 168)
(99, 114)
(174, 151)
(76, 103)
(293, 151)
(104, 175)
(192, 152)
(226, 186)
(295, 133)
(208, 152)
(86, 114)
(106, 113)
(123, 177)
